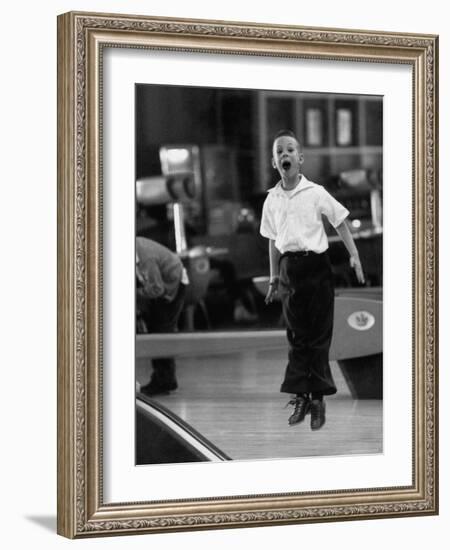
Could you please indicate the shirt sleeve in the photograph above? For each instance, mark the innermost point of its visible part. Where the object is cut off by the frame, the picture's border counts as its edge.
(267, 228)
(332, 209)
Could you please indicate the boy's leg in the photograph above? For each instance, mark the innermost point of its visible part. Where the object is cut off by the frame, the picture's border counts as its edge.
(321, 329)
(295, 299)
(307, 295)
(322, 382)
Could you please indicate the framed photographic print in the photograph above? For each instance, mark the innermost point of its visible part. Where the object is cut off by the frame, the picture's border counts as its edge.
(247, 285)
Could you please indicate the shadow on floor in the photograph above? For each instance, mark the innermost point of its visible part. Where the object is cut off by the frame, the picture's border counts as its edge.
(47, 522)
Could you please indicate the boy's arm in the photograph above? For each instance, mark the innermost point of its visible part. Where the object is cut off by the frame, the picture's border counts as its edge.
(274, 258)
(344, 233)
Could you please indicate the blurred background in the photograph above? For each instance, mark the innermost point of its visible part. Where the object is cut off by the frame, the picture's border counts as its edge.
(203, 168)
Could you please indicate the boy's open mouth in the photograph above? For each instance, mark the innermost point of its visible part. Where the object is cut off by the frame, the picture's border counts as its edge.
(286, 164)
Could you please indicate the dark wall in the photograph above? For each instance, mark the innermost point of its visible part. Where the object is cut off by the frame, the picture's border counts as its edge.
(172, 115)
(168, 115)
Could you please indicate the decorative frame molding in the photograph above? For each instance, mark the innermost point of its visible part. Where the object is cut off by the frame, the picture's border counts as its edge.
(81, 37)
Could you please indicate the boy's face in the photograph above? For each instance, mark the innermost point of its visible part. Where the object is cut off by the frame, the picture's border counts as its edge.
(286, 156)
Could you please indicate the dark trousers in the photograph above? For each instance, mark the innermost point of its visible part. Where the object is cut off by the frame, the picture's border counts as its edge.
(307, 295)
(161, 316)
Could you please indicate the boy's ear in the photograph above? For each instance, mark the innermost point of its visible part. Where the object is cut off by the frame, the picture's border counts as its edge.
(274, 165)
(301, 158)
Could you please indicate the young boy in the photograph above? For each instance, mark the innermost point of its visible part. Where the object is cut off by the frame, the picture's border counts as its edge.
(300, 272)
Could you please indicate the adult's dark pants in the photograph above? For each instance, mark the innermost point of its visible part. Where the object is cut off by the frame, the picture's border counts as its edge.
(161, 316)
(307, 294)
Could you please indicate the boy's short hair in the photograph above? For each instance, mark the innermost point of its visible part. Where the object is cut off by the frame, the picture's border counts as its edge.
(284, 132)
(288, 133)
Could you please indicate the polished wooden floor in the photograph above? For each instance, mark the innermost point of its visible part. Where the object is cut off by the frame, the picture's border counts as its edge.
(234, 400)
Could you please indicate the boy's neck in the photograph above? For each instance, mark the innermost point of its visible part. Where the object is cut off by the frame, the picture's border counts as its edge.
(289, 183)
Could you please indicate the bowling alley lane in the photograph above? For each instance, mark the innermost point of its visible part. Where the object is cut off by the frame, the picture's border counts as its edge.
(234, 401)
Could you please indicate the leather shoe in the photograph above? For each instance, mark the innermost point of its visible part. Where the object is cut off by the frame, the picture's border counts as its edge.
(317, 414)
(151, 389)
(301, 408)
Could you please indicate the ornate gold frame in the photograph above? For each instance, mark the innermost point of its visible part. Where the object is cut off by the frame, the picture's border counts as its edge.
(81, 37)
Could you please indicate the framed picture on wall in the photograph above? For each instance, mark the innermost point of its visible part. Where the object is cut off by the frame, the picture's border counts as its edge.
(180, 312)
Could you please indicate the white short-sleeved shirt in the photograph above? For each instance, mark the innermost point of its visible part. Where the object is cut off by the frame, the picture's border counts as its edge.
(293, 219)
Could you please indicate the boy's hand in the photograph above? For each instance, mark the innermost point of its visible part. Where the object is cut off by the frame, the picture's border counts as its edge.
(272, 291)
(355, 263)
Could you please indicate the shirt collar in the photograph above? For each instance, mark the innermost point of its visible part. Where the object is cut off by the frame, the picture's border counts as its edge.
(304, 183)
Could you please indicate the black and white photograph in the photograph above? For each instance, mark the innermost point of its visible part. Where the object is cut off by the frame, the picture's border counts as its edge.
(259, 274)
